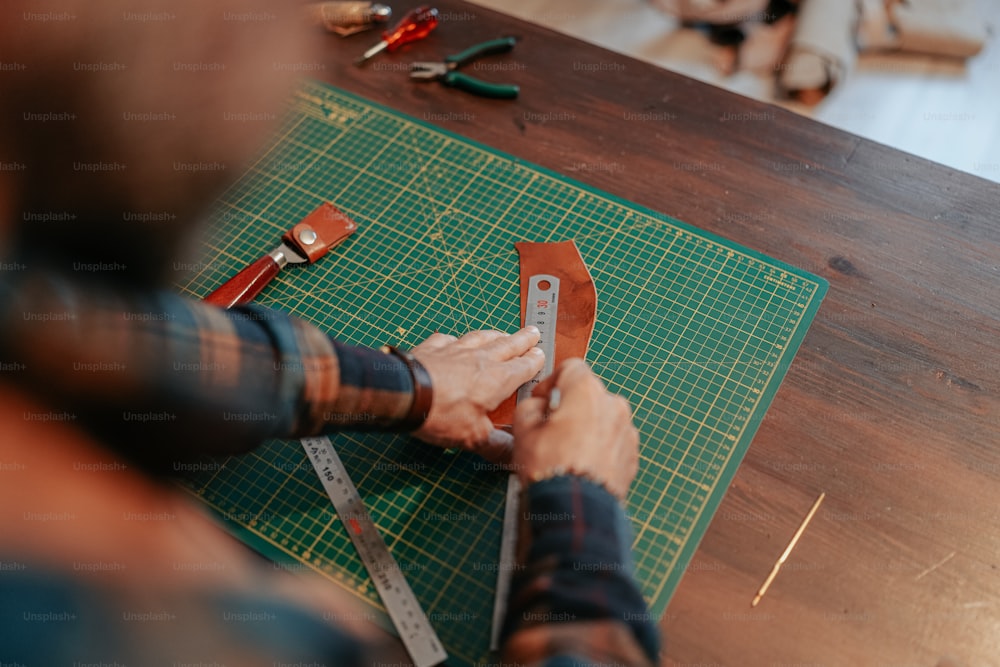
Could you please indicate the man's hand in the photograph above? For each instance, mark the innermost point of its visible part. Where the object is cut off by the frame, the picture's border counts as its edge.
(471, 376)
(589, 433)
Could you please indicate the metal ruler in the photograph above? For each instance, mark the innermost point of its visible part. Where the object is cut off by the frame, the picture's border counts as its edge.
(411, 622)
(541, 310)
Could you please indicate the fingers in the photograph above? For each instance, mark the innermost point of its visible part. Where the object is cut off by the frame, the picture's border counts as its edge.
(570, 376)
(513, 373)
(500, 346)
(544, 388)
(529, 413)
(475, 339)
(514, 345)
(624, 408)
(510, 360)
(436, 341)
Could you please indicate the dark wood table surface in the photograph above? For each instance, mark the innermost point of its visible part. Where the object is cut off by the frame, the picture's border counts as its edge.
(892, 406)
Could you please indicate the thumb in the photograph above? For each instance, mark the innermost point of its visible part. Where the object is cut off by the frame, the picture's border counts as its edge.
(566, 375)
(529, 413)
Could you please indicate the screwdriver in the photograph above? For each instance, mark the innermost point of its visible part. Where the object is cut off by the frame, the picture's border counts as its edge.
(417, 24)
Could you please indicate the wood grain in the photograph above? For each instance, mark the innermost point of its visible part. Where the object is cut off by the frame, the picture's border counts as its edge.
(892, 406)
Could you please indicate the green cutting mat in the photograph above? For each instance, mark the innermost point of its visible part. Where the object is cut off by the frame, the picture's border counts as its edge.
(695, 331)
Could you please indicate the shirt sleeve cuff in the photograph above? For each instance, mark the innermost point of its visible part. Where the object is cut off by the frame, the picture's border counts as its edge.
(574, 561)
(348, 387)
(374, 386)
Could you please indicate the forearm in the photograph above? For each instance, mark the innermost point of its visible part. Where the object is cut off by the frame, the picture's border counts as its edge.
(167, 372)
(573, 593)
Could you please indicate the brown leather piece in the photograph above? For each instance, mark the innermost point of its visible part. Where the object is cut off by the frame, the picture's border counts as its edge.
(321, 230)
(576, 309)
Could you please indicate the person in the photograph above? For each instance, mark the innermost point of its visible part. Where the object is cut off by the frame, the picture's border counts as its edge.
(106, 375)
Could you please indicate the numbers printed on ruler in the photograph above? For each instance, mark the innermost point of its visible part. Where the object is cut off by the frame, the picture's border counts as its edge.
(410, 620)
(542, 311)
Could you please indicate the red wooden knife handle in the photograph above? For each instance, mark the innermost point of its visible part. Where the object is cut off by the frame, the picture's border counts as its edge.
(245, 285)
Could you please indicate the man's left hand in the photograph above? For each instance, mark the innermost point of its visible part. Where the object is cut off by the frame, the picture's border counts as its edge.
(471, 376)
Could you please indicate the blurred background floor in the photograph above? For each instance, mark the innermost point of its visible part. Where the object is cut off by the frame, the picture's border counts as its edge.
(944, 110)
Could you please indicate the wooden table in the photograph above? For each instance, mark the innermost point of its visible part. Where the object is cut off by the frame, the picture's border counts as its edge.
(892, 406)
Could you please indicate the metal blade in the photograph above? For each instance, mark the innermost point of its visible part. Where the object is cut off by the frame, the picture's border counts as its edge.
(284, 254)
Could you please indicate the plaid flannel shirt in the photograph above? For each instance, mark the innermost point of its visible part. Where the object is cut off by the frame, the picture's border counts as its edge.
(183, 377)
(163, 370)
(572, 602)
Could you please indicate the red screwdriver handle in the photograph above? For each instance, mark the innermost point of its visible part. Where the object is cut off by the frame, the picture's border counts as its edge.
(245, 285)
(417, 24)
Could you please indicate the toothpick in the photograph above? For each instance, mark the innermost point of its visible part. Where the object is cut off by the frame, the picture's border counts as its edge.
(788, 550)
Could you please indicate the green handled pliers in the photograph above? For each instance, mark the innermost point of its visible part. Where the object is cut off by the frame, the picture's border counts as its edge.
(446, 72)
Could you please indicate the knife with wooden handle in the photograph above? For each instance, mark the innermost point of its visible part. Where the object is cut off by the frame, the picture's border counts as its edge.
(311, 238)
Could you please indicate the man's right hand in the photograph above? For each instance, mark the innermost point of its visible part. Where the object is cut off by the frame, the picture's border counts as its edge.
(589, 433)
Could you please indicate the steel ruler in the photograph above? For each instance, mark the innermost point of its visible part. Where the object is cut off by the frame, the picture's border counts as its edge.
(412, 624)
(541, 310)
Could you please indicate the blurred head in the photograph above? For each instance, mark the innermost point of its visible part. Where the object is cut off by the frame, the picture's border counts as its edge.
(121, 119)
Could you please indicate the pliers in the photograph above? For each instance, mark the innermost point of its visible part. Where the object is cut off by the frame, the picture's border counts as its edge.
(447, 73)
